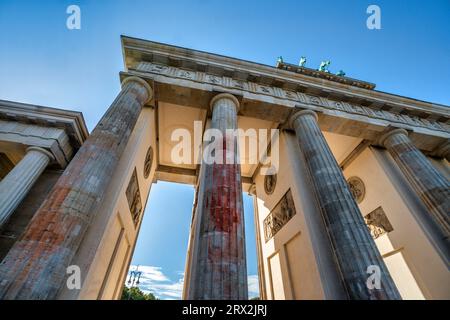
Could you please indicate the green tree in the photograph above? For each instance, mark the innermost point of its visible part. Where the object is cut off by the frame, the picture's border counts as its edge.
(135, 293)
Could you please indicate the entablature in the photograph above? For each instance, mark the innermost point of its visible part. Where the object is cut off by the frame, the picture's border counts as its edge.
(137, 51)
(184, 87)
(61, 132)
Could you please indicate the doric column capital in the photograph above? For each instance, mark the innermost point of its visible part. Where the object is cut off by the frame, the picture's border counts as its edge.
(386, 136)
(443, 150)
(43, 151)
(141, 82)
(227, 96)
(300, 113)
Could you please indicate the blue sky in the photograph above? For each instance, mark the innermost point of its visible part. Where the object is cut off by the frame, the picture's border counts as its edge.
(42, 62)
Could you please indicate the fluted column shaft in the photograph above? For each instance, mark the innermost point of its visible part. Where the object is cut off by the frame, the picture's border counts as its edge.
(429, 184)
(35, 267)
(15, 186)
(354, 248)
(219, 268)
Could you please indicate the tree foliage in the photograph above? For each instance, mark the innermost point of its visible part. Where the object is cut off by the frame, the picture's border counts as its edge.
(135, 293)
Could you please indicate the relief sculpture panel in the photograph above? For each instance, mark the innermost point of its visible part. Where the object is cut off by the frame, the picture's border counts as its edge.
(279, 216)
(134, 198)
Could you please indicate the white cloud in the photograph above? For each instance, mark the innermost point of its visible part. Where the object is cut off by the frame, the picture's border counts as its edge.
(155, 281)
(151, 273)
(253, 286)
(173, 290)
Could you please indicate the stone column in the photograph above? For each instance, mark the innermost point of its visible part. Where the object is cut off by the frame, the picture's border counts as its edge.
(36, 266)
(15, 186)
(429, 184)
(218, 269)
(354, 248)
(259, 251)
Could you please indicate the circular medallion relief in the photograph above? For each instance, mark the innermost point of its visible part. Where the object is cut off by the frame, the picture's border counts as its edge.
(269, 183)
(148, 162)
(357, 188)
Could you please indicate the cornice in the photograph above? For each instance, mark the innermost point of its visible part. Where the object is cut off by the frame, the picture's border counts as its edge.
(71, 121)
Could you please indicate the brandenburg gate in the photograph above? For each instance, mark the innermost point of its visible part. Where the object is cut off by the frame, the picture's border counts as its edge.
(351, 192)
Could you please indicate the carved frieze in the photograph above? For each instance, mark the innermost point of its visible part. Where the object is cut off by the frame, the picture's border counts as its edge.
(378, 223)
(279, 216)
(292, 96)
(134, 197)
